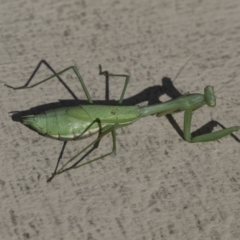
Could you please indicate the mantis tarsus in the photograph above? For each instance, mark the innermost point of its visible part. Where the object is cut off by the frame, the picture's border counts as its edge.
(79, 122)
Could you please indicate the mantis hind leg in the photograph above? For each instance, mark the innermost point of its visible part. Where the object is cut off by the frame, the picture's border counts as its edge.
(127, 78)
(75, 70)
(58, 161)
(204, 137)
(97, 120)
(95, 144)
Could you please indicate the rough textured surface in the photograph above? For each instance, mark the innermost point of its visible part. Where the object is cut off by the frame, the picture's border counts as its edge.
(157, 186)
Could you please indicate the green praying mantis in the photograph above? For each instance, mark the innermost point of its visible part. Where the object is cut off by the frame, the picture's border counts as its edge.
(79, 122)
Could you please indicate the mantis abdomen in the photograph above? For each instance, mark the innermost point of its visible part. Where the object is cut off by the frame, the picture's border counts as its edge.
(66, 124)
(59, 124)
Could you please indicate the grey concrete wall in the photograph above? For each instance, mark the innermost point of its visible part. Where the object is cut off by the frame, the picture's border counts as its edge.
(157, 186)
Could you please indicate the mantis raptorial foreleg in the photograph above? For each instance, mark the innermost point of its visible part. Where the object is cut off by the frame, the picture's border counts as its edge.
(204, 137)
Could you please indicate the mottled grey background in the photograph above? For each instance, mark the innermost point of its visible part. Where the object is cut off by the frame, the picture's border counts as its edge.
(157, 186)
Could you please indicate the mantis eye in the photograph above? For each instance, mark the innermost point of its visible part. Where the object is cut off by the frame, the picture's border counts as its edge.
(209, 96)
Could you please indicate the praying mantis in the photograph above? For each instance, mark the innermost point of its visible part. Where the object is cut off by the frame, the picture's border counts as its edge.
(82, 121)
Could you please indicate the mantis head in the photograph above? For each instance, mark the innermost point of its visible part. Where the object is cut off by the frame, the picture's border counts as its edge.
(209, 96)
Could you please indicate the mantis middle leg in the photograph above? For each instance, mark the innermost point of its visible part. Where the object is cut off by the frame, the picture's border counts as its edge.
(127, 78)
